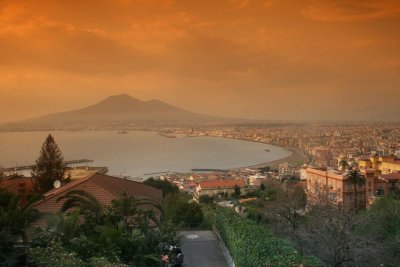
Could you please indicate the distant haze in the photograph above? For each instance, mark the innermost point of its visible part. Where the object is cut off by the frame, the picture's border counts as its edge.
(257, 59)
(115, 112)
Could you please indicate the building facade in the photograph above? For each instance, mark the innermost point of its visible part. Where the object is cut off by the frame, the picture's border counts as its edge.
(336, 187)
(218, 187)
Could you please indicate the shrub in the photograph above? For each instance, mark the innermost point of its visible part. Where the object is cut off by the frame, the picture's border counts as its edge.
(251, 244)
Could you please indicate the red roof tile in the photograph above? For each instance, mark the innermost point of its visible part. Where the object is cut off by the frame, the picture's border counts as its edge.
(104, 188)
(228, 183)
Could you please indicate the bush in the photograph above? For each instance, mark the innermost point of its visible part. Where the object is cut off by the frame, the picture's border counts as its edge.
(251, 244)
(54, 254)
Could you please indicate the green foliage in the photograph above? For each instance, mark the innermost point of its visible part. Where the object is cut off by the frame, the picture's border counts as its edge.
(206, 199)
(357, 179)
(384, 225)
(15, 217)
(8, 255)
(49, 166)
(180, 210)
(262, 187)
(115, 235)
(236, 193)
(5, 198)
(265, 169)
(54, 254)
(165, 186)
(251, 244)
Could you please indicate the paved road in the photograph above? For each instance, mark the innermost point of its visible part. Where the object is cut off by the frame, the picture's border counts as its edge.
(201, 249)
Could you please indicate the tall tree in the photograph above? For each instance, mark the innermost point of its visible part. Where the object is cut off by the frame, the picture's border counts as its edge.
(357, 179)
(344, 164)
(236, 193)
(49, 166)
(166, 186)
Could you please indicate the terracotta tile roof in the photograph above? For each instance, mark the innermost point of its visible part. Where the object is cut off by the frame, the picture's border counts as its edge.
(103, 187)
(228, 183)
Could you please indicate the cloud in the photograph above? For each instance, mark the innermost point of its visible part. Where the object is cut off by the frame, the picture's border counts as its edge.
(279, 56)
(350, 10)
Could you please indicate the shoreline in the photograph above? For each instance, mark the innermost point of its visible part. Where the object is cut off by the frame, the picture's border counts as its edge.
(296, 158)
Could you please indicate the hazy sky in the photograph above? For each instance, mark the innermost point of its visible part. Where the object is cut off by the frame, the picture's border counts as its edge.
(265, 59)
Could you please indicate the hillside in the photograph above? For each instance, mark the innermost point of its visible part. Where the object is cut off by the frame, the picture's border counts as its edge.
(118, 111)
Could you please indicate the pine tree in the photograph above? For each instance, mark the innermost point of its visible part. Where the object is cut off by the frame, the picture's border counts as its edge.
(49, 166)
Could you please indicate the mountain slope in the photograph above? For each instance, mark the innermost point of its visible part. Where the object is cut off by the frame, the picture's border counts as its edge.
(116, 110)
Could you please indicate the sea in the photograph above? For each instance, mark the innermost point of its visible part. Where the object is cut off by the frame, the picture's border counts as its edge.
(139, 153)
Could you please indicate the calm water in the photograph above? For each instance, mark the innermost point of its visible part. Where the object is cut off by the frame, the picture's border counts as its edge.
(138, 153)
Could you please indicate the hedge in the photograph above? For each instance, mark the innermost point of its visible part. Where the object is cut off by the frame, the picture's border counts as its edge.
(251, 244)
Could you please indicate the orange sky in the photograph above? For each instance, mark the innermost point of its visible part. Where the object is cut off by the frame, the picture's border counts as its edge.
(265, 59)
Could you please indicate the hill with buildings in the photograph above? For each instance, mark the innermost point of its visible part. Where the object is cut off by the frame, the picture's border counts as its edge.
(115, 112)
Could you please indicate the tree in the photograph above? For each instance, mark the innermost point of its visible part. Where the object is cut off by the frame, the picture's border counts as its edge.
(236, 193)
(180, 209)
(206, 199)
(357, 179)
(332, 235)
(383, 224)
(344, 164)
(286, 213)
(49, 166)
(17, 217)
(88, 206)
(262, 187)
(120, 233)
(165, 186)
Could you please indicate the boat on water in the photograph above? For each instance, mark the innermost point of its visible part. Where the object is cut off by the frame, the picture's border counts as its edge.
(168, 135)
(267, 150)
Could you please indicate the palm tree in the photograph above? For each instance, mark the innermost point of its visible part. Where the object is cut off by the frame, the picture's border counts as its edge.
(134, 210)
(85, 204)
(123, 207)
(82, 200)
(16, 217)
(344, 164)
(357, 179)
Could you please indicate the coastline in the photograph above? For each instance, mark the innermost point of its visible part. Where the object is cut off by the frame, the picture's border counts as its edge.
(296, 158)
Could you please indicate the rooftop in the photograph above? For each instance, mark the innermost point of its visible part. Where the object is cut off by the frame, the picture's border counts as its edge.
(104, 188)
(222, 183)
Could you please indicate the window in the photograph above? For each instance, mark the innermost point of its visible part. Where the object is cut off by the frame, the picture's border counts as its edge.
(349, 198)
(380, 192)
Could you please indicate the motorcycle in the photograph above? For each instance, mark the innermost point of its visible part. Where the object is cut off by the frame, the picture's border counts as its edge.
(173, 256)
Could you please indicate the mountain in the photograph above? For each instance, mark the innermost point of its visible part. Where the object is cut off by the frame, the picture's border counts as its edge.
(113, 112)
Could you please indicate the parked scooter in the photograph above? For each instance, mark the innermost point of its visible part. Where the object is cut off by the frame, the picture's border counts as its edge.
(173, 256)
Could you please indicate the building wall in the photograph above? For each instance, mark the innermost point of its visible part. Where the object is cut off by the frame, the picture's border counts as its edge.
(217, 191)
(18, 185)
(336, 187)
(381, 165)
